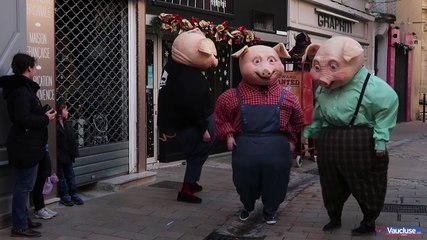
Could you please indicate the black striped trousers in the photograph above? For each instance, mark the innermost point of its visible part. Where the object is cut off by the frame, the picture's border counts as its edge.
(348, 165)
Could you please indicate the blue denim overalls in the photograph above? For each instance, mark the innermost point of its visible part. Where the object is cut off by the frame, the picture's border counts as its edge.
(261, 159)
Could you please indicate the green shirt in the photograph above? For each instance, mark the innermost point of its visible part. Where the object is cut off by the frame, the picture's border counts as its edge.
(336, 107)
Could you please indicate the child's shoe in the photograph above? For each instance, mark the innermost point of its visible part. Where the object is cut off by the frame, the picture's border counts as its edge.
(77, 200)
(51, 212)
(42, 214)
(66, 201)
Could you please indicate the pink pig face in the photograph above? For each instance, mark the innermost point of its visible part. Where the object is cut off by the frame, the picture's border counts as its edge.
(261, 65)
(336, 61)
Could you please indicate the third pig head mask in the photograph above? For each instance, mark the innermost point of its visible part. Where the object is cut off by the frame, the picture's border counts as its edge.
(336, 61)
(261, 65)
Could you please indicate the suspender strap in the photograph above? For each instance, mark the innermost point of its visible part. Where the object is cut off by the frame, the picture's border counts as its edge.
(239, 97)
(360, 100)
(282, 97)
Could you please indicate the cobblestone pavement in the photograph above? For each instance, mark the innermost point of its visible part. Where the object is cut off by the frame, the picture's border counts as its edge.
(152, 212)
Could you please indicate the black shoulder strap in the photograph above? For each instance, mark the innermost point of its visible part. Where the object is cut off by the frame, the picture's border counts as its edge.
(360, 100)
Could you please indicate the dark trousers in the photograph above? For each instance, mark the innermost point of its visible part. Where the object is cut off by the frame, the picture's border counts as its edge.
(37, 194)
(196, 150)
(67, 188)
(348, 165)
(24, 182)
(43, 171)
(261, 167)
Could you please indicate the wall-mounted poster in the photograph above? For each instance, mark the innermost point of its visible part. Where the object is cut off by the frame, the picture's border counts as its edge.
(41, 45)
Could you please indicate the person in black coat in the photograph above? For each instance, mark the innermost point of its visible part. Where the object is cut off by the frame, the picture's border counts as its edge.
(67, 152)
(185, 110)
(27, 138)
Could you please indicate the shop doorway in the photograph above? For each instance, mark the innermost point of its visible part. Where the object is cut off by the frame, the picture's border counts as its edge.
(401, 81)
(153, 68)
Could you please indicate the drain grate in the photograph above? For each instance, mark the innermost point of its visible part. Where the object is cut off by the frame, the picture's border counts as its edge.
(401, 208)
(167, 184)
(218, 236)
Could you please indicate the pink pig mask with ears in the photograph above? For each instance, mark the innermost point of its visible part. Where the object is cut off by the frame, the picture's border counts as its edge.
(192, 48)
(261, 65)
(335, 62)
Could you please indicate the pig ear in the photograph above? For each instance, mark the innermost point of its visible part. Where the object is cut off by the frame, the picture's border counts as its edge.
(207, 46)
(241, 52)
(351, 50)
(197, 31)
(281, 50)
(310, 52)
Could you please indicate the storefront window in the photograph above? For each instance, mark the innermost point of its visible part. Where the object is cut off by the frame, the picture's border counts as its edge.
(92, 68)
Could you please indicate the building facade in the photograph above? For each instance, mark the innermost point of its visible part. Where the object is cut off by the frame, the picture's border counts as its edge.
(87, 55)
(411, 23)
(389, 47)
(322, 19)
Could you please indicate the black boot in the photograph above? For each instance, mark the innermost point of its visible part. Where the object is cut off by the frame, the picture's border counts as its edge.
(188, 197)
(32, 224)
(362, 230)
(28, 233)
(195, 187)
(331, 226)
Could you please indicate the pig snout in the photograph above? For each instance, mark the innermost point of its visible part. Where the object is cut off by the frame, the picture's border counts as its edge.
(215, 62)
(266, 73)
(325, 83)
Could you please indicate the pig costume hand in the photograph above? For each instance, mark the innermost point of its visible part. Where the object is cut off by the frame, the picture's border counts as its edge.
(261, 121)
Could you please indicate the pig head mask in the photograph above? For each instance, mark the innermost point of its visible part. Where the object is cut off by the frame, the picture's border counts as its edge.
(261, 65)
(193, 48)
(335, 62)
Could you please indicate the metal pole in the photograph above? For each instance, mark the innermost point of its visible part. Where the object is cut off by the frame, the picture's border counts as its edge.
(424, 107)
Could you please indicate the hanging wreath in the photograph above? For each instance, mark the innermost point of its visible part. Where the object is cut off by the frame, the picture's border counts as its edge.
(219, 33)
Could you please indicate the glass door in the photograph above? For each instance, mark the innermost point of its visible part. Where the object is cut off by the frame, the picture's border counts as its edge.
(152, 73)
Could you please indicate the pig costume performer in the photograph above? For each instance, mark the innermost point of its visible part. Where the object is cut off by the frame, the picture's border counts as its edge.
(260, 121)
(185, 108)
(354, 115)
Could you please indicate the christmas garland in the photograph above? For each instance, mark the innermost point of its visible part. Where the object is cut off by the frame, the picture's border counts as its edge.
(219, 33)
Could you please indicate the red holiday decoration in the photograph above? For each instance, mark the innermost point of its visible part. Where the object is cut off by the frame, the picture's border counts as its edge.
(218, 33)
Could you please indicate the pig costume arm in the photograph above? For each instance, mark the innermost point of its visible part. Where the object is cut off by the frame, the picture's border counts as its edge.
(338, 66)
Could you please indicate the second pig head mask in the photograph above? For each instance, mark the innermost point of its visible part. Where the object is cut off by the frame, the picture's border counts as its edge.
(336, 61)
(261, 65)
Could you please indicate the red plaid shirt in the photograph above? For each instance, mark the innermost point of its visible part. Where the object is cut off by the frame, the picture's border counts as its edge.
(227, 109)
